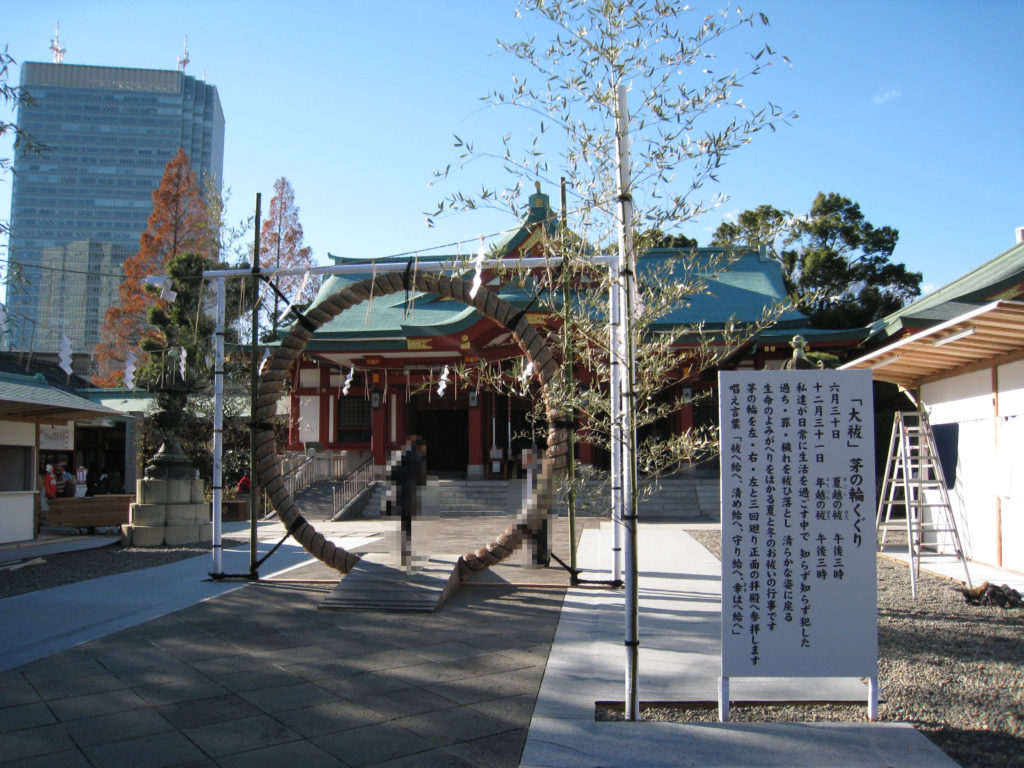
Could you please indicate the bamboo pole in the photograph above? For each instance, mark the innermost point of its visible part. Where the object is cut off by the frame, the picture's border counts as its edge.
(627, 267)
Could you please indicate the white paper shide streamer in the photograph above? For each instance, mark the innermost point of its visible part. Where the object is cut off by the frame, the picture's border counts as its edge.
(64, 354)
(296, 297)
(442, 383)
(524, 378)
(478, 265)
(129, 371)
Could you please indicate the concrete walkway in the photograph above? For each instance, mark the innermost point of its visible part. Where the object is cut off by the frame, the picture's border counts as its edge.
(951, 567)
(38, 624)
(680, 662)
(159, 667)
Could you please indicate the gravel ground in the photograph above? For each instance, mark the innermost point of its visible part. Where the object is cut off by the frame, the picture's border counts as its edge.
(86, 564)
(953, 670)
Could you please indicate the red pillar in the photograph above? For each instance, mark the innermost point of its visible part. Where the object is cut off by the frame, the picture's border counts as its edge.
(586, 453)
(401, 418)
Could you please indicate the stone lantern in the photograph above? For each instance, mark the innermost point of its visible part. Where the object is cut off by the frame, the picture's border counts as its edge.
(169, 507)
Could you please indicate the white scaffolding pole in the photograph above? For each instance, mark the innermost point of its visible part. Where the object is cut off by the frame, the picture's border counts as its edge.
(218, 428)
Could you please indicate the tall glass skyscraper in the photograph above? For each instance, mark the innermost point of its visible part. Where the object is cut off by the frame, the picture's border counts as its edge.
(79, 206)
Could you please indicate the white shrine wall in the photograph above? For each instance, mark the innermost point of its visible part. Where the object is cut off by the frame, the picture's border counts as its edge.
(988, 493)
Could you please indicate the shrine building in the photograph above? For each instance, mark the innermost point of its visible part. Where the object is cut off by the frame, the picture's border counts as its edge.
(369, 378)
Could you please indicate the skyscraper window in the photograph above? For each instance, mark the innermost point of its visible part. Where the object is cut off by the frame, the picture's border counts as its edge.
(78, 208)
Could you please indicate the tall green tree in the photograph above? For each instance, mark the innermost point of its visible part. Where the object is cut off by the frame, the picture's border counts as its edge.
(836, 262)
(655, 238)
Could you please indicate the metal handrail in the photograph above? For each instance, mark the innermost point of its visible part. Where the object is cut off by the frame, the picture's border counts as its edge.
(353, 485)
(301, 477)
(320, 466)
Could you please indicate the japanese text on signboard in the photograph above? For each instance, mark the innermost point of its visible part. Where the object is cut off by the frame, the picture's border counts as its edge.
(797, 521)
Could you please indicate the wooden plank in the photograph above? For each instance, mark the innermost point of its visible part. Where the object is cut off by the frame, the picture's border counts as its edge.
(89, 512)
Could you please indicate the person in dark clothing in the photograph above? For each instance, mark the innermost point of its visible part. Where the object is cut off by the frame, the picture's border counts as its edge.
(92, 481)
(407, 473)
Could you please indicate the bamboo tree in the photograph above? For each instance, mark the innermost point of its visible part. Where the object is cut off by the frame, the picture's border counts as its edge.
(686, 117)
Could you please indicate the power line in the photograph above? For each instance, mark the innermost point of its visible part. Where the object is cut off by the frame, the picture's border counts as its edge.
(65, 270)
(8, 312)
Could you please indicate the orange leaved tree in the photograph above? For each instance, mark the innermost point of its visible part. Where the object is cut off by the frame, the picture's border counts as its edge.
(178, 224)
(281, 246)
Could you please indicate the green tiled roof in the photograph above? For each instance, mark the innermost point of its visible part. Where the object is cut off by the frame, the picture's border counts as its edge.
(739, 292)
(33, 398)
(962, 295)
(733, 287)
(737, 289)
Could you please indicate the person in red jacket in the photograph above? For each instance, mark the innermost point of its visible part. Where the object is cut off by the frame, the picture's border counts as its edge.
(49, 483)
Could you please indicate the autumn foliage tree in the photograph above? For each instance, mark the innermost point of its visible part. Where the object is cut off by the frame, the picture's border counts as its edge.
(281, 246)
(178, 224)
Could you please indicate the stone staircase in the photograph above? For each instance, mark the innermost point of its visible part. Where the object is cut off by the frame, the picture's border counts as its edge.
(368, 505)
(692, 499)
(678, 499)
(445, 497)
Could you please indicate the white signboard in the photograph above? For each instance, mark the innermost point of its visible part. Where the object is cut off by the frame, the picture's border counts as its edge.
(798, 543)
(56, 437)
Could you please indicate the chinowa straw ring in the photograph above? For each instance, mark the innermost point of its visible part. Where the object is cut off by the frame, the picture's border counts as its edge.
(271, 387)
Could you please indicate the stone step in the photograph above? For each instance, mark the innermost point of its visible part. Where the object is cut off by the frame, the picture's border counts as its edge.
(689, 498)
(377, 583)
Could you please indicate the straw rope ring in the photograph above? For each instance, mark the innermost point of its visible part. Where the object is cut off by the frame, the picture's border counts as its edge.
(271, 387)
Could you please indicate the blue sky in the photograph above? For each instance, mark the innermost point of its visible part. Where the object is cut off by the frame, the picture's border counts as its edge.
(912, 109)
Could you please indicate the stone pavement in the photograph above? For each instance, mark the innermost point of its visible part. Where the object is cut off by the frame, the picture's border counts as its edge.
(257, 676)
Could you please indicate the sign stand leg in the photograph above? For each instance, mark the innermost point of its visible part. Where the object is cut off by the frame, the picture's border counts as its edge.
(873, 698)
(723, 699)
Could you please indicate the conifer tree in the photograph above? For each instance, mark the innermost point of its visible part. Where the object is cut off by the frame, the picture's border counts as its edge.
(178, 224)
(834, 260)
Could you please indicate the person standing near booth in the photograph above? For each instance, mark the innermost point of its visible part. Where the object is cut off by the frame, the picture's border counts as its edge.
(49, 483)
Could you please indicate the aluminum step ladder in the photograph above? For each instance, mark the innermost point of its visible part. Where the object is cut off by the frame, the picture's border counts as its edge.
(914, 481)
